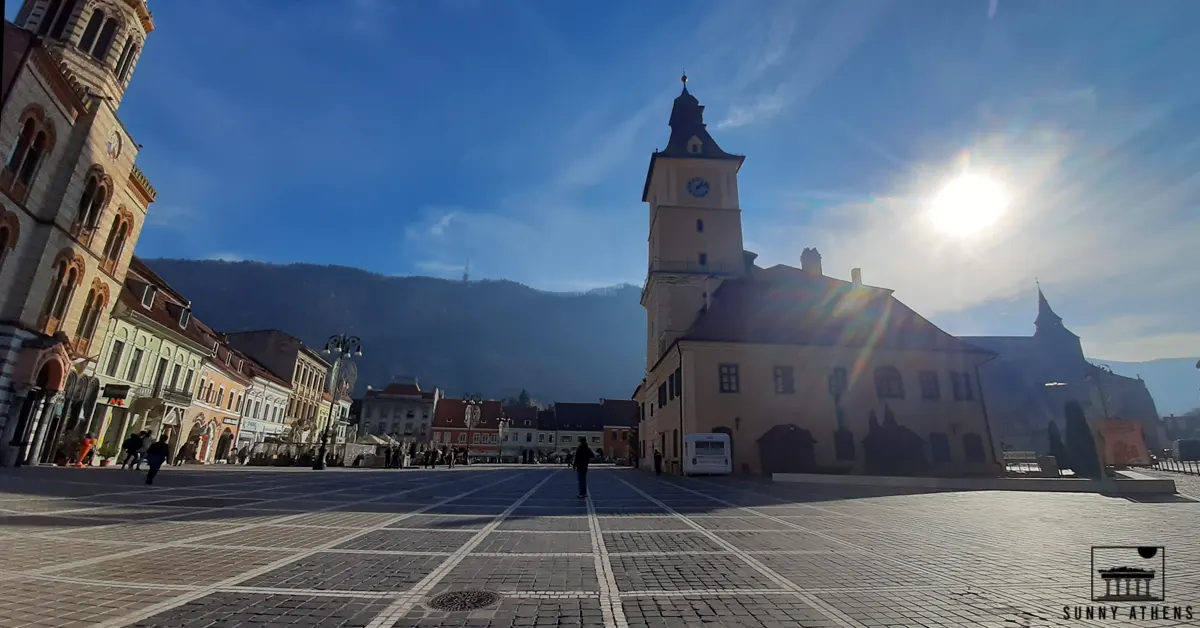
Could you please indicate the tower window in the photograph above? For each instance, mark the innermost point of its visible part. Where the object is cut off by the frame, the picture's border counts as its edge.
(704, 259)
(60, 18)
(699, 225)
(91, 31)
(105, 41)
(48, 17)
(123, 61)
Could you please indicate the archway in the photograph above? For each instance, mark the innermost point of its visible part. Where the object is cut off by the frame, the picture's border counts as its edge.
(787, 449)
(224, 444)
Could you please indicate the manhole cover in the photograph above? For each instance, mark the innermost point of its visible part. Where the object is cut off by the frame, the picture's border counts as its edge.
(464, 600)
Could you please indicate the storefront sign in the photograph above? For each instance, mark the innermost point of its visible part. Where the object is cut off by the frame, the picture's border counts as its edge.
(230, 421)
(115, 394)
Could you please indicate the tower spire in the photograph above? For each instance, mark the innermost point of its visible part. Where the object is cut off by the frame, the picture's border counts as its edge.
(1046, 316)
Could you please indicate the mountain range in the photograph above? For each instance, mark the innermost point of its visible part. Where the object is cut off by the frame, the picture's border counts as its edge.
(494, 338)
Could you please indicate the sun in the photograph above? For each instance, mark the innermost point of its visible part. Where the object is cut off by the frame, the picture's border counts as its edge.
(968, 205)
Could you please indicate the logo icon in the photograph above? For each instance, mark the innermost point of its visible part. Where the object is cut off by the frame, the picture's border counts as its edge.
(1129, 573)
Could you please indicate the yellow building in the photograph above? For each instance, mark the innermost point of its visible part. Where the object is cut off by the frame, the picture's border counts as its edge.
(805, 372)
(213, 420)
(72, 204)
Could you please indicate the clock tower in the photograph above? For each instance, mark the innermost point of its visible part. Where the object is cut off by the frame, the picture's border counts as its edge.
(695, 225)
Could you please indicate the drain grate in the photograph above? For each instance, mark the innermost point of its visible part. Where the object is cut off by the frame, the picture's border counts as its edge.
(464, 600)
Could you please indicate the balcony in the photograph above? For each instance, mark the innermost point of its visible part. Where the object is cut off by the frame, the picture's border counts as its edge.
(176, 396)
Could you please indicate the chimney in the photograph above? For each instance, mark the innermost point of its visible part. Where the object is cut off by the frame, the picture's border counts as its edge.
(810, 262)
(856, 276)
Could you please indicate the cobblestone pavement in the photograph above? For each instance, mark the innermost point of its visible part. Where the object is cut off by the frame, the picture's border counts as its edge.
(268, 548)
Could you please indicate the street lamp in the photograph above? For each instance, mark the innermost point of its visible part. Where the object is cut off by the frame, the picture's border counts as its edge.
(345, 347)
(501, 431)
(471, 418)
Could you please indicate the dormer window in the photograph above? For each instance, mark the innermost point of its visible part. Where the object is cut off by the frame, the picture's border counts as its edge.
(228, 359)
(216, 345)
(148, 297)
(695, 146)
(185, 317)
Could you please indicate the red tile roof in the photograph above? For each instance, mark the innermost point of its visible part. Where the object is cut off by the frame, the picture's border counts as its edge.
(452, 413)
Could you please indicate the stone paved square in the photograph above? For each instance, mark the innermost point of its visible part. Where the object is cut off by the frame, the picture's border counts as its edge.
(92, 546)
(678, 542)
(535, 542)
(522, 573)
(251, 609)
(408, 541)
(334, 571)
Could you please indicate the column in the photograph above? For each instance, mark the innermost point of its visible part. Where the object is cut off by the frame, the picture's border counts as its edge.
(8, 450)
(43, 425)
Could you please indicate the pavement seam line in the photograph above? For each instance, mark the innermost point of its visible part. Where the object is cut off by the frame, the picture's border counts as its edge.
(830, 613)
(283, 562)
(610, 601)
(403, 604)
(200, 537)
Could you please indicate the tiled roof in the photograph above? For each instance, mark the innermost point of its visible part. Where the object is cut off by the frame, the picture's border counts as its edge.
(546, 420)
(799, 309)
(584, 417)
(619, 412)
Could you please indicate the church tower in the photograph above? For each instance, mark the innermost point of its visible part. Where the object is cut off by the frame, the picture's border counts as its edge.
(98, 42)
(695, 225)
(1052, 336)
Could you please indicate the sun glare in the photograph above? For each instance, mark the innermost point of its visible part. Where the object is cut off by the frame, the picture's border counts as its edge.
(968, 205)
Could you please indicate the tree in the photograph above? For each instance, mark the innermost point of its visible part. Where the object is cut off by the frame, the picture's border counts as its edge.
(1058, 448)
(523, 399)
(1081, 445)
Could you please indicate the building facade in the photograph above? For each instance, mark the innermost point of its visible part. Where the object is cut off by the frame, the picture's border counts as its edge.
(804, 372)
(72, 204)
(518, 439)
(620, 429)
(481, 441)
(575, 421)
(291, 360)
(1033, 378)
(153, 353)
(213, 420)
(401, 410)
(547, 434)
(263, 412)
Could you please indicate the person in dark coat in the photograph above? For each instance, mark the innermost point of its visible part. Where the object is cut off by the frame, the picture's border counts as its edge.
(156, 455)
(657, 462)
(583, 455)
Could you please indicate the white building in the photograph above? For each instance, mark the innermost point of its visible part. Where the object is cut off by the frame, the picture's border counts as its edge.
(520, 435)
(265, 408)
(401, 410)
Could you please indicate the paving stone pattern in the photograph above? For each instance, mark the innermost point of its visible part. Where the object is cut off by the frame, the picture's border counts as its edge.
(267, 548)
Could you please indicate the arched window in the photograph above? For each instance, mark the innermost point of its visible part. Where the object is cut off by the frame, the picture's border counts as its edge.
(90, 33)
(93, 307)
(48, 16)
(58, 297)
(32, 144)
(91, 204)
(61, 18)
(115, 245)
(105, 41)
(888, 383)
(125, 61)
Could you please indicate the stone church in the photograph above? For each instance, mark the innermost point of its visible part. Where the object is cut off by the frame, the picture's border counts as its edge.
(804, 372)
(72, 204)
(1033, 377)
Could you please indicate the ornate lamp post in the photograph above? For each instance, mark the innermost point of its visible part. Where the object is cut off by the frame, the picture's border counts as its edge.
(346, 347)
(501, 431)
(471, 416)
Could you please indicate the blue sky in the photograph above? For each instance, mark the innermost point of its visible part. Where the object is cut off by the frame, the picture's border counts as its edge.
(409, 137)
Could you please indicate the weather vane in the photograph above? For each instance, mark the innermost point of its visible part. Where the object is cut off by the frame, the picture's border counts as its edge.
(684, 77)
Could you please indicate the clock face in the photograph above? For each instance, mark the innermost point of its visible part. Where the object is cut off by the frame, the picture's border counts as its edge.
(697, 187)
(114, 145)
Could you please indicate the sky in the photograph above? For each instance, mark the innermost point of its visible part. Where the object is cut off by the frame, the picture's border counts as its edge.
(413, 138)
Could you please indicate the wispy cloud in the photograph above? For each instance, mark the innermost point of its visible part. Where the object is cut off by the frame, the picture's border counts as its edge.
(829, 40)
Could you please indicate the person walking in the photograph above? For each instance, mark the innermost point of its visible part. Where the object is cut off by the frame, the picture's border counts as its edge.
(131, 446)
(583, 455)
(657, 462)
(147, 441)
(85, 450)
(156, 455)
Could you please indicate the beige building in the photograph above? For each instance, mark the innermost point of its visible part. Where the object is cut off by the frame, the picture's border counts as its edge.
(402, 410)
(214, 418)
(72, 204)
(805, 372)
(291, 360)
